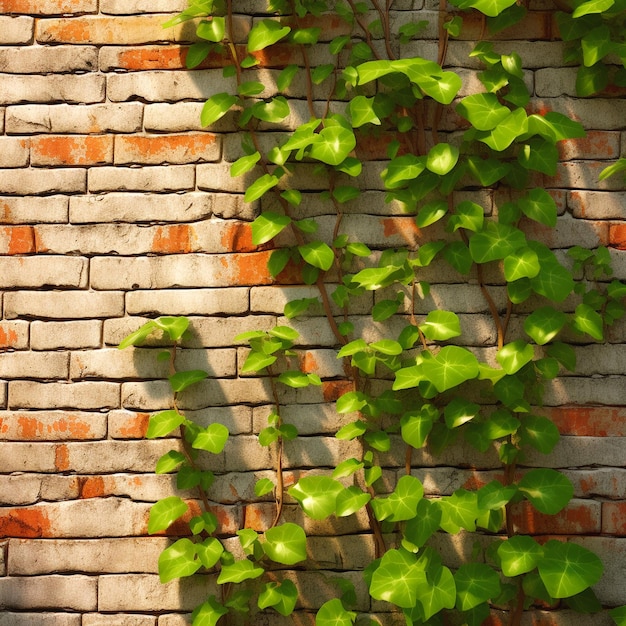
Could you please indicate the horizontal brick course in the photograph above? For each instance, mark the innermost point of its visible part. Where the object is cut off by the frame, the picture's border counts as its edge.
(32, 182)
(52, 425)
(44, 59)
(157, 178)
(85, 395)
(71, 592)
(53, 88)
(157, 149)
(59, 150)
(16, 30)
(60, 305)
(48, 7)
(41, 271)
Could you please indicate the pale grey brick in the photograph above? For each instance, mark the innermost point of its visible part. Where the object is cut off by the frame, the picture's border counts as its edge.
(78, 88)
(312, 419)
(71, 335)
(44, 59)
(29, 457)
(58, 488)
(26, 210)
(33, 182)
(71, 592)
(610, 390)
(142, 363)
(156, 178)
(88, 395)
(8, 618)
(16, 30)
(60, 305)
(42, 271)
(121, 7)
(136, 207)
(14, 151)
(177, 117)
(576, 451)
(555, 82)
(606, 482)
(19, 489)
(597, 205)
(592, 113)
(118, 619)
(67, 118)
(47, 365)
(188, 302)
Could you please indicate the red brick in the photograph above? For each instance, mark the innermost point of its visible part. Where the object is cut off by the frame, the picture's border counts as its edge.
(577, 518)
(27, 522)
(593, 421)
(71, 150)
(617, 236)
(173, 239)
(17, 240)
(614, 518)
(156, 149)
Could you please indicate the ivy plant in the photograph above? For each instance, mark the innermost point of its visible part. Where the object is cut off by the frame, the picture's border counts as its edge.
(426, 384)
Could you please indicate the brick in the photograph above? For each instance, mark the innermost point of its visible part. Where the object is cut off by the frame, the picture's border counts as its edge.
(29, 457)
(41, 60)
(121, 7)
(52, 425)
(139, 487)
(128, 424)
(19, 210)
(19, 489)
(573, 451)
(589, 421)
(157, 178)
(596, 144)
(87, 395)
(61, 305)
(14, 151)
(36, 556)
(617, 236)
(21, 364)
(69, 335)
(118, 619)
(597, 204)
(74, 88)
(579, 517)
(609, 391)
(16, 30)
(33, 182)
(142, 363)
(48, 7)
(70, 592)
(593, 113)
(40, 271)
(136, 207)
(606, 482)
(16, 240)
(7, 618)
(188, 302)
(13, 335)
(157, 149)
(71, 150)
(176, 117)
(614, 518)
(67, 118)
(172, 86)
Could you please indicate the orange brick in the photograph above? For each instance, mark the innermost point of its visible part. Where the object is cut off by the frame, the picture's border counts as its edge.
(129, 425)
(71, 150)
(48, 7)
(173, 239)
(617, 236)
(597, 144)
(156, 149)
(577, 518)
(27, 522)
(593, 421)
(237, 237)
(614, 518)
(13, 335)
(17, 240)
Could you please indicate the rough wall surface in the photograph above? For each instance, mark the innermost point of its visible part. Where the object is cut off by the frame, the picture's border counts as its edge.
(116, 206)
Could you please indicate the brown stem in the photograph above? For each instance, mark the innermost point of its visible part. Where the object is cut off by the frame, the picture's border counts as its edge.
(379, 541)
(366, 32)
(280, 479)
(384, 20)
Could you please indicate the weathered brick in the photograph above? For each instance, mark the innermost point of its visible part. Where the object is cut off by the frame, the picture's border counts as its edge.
(62, 305)
(16, 30)
(19, 489)
(157, 149)
(579, 517)
(41, 618)
(606, 482)
(614, 518)
(25, 394)
(139, 487)
(17, 240)
(52, 425)
(588, 421)
(23, 364)
(596, 144)
(32, 182)
(597, 204)
(35, 556)
(593, 113)
(71, 150)
(157, 178)
(177, 117)
(41, 60)
(19, 210)
(13, 335)
(69, 335)
(136, 207)
(609, 391)
(75, 88)
(40, 271)
(48, 7)
(118, 619)
(14, 151)
(71, 592)
(121, 7)
(573, 451)
(617, 236)
(188, 302)
(128, 424)
(67, 118)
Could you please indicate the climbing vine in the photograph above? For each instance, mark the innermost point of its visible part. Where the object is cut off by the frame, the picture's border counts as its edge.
(427, 385)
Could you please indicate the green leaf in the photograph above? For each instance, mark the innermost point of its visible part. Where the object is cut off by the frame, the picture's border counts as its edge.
(539, 432)
(496, 241)
(281, 596)
(216, 107)
(263, 487)
(168, 462)
(442, 158)
(178, 560)
(402, 169)
(523, 263)
(362, 111)
(554, 281)
(596, 44)
(402, 504)
(208, 613)
(459, 411)
(588, 321)
(491, 8)
(239, 571)
(306, 36)
(564, 354)
(506, 131)
(181, 380)
(274, 111)
(452, 366)
(209, 551)
(483, 110)
(475, 583)
(518, 555)
(250, 88)
(260, 186)
(212, 30)
(546, 489)
(387, 346)
(278, 261)
(459, 510)
(286, 76)
(619, 615)
(164, 513)
(539, 205)
(285, 544)
(425, 523)
(351, 500)
(487, 171)
(257, 361)
(441, 325)
(431, 212)
(244, 164)
(332, 145)
(567, 568)
(212, 439)
(416, 425)
(333, 613)
(437, 592)
(592, 6)
(266, 33)
(513, 356)
(544, 323)
(396, 579)
(611, 170)
(321, 72)
(495, 495)
(137, 337)
(540, 155)
(163, 423)
(317, 254)
(591, 80)
(317, 495)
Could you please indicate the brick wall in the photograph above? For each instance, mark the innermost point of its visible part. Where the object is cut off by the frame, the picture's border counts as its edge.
(116, 206)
